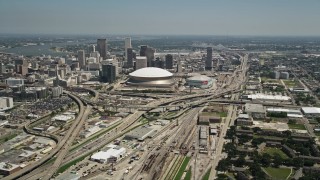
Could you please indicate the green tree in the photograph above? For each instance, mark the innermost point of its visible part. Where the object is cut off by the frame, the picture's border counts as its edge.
(223, 165)
(266, 160)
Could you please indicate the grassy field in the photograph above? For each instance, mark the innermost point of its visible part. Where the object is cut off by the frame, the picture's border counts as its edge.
(207, 175)
(182, 168)
(291, 84)
(278, 173)
(71, 163)
(188, 175)
(272, 151)
(297, 126)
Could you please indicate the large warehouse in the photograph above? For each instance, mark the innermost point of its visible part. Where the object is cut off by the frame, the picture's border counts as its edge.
(200, 81)
(151, 77)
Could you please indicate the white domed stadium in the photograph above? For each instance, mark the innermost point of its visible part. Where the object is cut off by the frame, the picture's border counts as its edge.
(151, 77)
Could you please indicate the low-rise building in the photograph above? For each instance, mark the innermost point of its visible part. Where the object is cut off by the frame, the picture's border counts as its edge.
(244, 120)
(311, 112)
(140, 133)
(111, 155)
(87, 133)
(8, 168)
(256, 111)
(6, 103)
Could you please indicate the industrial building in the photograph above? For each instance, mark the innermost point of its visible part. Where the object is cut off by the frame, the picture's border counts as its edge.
(291, 113)
(266, 97)
(63, 118)
(151, 77)
(311, 112)
(87, 133)
(256, 111)
(140, 133)
(8, 168)
(200, 81)
(244, 120)
(112, 154)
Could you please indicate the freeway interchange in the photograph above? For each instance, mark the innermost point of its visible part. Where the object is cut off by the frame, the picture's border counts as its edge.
(62, 155)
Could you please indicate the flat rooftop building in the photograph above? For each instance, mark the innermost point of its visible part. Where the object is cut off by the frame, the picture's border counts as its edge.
(140, 133)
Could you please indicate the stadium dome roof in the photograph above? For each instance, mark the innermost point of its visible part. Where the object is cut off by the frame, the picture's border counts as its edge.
(151, 72)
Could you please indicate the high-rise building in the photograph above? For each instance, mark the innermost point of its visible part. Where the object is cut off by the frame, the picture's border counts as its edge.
(129, 57)
(159, 63)
(143, 49)
(150, 55)
(102, 47)
(141, 62)
(179, 66)
(82, 59)
(169, 61)
(21, 66)
(2, 68)
(92, 48)
(127, 44)
(208, 62)
(109, 72)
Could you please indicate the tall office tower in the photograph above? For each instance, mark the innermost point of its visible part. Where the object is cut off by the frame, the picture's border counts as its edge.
(82, 59)
(127, 44)
(21, 66)
(208, 63)
(109, 72)
(2, 68)
(143, 49)
(179, 66)
(96, 55)
(159, 63)
(92, 48)
(102, 47)
(129, 57)
(150, 55)
(141, 62)
(169, 61)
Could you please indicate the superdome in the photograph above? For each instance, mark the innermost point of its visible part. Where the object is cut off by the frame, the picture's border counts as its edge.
(151, 77)
(151, 72)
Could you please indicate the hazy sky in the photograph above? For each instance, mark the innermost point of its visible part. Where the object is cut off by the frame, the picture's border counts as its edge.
(195, 17)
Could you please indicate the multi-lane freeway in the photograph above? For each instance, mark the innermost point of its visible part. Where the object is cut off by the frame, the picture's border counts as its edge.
(62, 150)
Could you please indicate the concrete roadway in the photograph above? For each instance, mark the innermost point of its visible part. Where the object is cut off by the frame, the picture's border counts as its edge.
(69, 138)
(28, 169)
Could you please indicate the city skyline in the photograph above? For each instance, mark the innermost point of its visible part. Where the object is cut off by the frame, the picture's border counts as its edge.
(248, 17)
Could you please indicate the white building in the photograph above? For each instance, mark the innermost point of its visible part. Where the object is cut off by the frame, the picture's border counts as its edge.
(63, 118)
(89, 132)
(112, 154)
(141, 62)
(266, 97)
(6, 103)
(310, 112)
